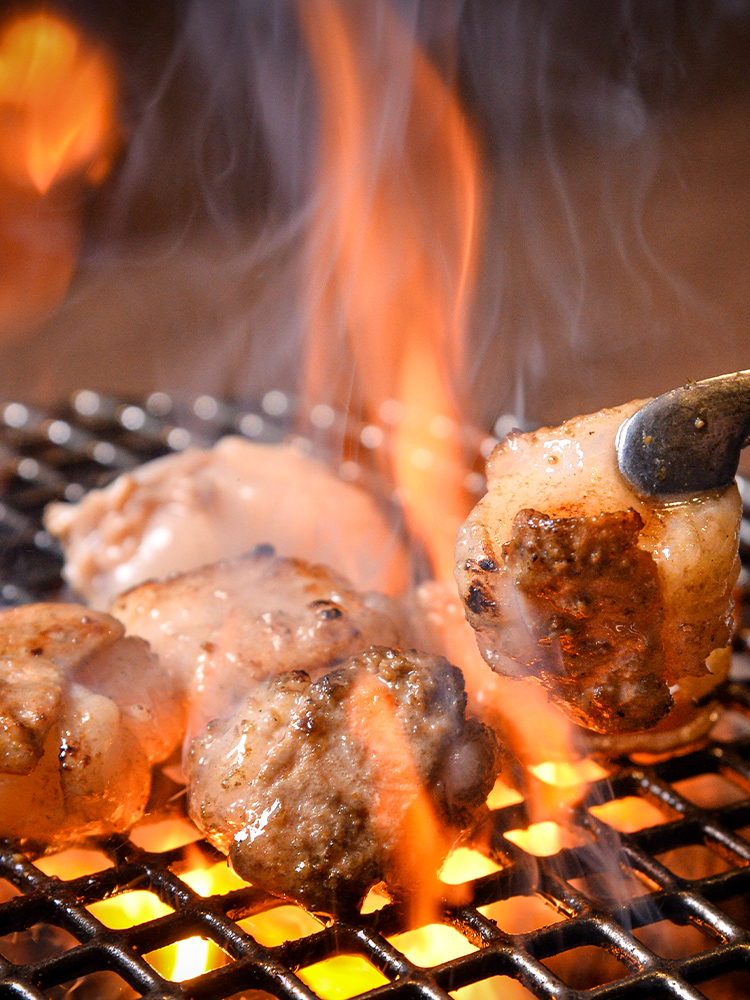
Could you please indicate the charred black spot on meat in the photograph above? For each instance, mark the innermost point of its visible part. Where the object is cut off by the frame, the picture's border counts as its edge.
(478, 600)
(70, 756)
(326, 610)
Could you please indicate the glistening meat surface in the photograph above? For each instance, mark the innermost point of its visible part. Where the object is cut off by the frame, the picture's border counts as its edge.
(222, 628)
(311, 796)
(614, 602)
(84, 713)
(189, 509)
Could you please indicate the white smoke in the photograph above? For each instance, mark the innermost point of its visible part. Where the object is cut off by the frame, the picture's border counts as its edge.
(580, 108)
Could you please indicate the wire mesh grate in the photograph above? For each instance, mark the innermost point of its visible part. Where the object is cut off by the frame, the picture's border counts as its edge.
(646, 896)
(580, 887)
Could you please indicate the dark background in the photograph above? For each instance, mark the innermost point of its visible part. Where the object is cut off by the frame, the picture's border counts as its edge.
(616, 244)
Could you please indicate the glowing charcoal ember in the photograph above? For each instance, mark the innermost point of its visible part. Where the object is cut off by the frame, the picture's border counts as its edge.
(190, 509)
(612, 601)
(84, 713)
(292, 759)
(222, 628)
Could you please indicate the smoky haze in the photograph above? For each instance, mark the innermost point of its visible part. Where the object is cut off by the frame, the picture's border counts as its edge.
(614, 254)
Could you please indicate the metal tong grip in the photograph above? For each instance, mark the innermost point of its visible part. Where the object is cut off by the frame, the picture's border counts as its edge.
(689, 440)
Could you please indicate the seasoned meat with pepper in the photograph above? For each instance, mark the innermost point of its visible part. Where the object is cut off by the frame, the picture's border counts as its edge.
(186, 510)
(614, 602)
(222, 628)
(84, 713)
(593, 614)
(373, 767)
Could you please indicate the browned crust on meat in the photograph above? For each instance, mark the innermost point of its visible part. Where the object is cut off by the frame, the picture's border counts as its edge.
(592, 602)
(298, 762)
(38, 643)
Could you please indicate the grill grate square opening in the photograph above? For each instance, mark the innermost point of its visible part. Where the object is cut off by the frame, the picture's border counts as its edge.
(710, 791)
(610, 889)
(187, 958)
(128, 909)
(546, 838)
(432, 938)
(632, 813)
(744, 833)
(7, 891)
(464, 864)
(671, 940)
(695, 861)
(737, 909)
(729, 987)
(39, 942)
(279, 925)
(586, 967)
(97, 986)
(74, 863)
(522, 914)
(496, 988)
(342, 977)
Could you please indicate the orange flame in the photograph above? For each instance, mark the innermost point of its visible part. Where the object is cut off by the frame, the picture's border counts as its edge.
(402, 807)
(57, 124)
(540, 736)
(392, 256)
(57, 103)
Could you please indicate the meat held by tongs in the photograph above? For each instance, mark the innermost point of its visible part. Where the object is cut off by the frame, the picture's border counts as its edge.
(617, 599)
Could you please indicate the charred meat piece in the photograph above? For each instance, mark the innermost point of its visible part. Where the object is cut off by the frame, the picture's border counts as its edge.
(189, 509)
(591, 603)
(345, 763)
(614, 602)
(222, 628)
(84, 713)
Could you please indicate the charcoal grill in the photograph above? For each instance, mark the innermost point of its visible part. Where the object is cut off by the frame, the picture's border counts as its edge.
(662, 911)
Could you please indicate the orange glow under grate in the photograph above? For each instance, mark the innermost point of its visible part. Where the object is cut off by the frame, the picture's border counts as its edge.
(527, 921)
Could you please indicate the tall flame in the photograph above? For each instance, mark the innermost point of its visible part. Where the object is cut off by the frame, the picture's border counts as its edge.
(402, 807)
(392, 253)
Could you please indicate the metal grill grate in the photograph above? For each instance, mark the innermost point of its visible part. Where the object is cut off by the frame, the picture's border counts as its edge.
(660, 910)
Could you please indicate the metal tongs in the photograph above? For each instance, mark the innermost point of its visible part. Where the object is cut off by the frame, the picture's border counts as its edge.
(689, 440)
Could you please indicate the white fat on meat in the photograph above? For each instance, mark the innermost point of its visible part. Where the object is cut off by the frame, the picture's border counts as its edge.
(85, 711)
(222, 628)
(613, 601)
(187, 510)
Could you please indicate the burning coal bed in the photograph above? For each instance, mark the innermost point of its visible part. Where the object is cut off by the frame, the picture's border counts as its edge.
(596, 876)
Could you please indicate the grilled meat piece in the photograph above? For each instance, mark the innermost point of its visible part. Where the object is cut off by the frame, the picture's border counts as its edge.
(574, 577)
(345, 763)
(222, 628)
(614, 602)
(84, 713)
(189, 509)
